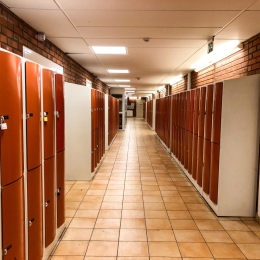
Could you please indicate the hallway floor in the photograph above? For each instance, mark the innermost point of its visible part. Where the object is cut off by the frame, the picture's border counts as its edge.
(140, 206)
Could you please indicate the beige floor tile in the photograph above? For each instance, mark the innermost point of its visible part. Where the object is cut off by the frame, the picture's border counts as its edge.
(133, 193)
(133, 198)
(93, 198)
(87, 213)
(115, 186)
(102, 248)
(67, 221)
(158, 224)
(175, 206)
(111, 205)
(113, 199)
(90, 205)
(99, 258)
(95, 192)
(179, 214)
(257, 233)
(105, 234)
(132, 258)
(156, 214)
(162, 249)
(152, 199)
(174, 199)
(166, 193)
(72, 205)
(197, 207)
(70, 248)
(251, 251)
(146, 187)
(154, 206)
(160, 235)
(109, 213)
(167, 188)
(133, 223)
(194, 250)
(114, 192)
(223, 250)
(77, 234)
(107, 223)
(253, 225)
(208, 225)
(133, 249)
(98, 187)
(134, 235)
(132, 213)
(244, 237)
(165, 258)
(216, 236)
(202, 215)
(70, 213)
(188, 236)
(82, 223)
(75, 195)
(134, 205)
(234, 225)
(67, 258)
(183, 225)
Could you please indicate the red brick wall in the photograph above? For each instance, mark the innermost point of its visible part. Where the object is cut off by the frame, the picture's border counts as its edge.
(240, 64)
(15, 33)
(180, 85)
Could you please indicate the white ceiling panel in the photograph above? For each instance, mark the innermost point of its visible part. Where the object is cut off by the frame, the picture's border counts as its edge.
(31, 4)
(244, 27)
(52, 22)
(151, 18)
(155, 4)
(71, 45)
(141, 32)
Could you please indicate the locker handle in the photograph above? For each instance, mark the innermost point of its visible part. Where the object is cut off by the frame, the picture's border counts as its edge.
(6, 249)
(31, 222)
(58, 114)
(47, 203)
(29, 115)
(58, 191)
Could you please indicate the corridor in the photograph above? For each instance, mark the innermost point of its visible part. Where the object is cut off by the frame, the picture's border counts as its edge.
(141, 206)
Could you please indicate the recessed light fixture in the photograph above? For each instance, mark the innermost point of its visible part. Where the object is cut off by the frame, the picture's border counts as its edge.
(122, 80)
(118, 71)
(108, 50)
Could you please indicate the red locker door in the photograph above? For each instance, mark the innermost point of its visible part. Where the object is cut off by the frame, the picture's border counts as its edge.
(33, 114)
(191, 114)
(208, 115)
(202, 111)
(35, 214)
(49, 189)
(187, 119)
(60, 116)
(194, 157)
(217, 108)
(206, 169)
(60, 189)
(11, 114)
(186, 152)
(214, 172)
(190, 145)
(200, 161)
(13, 221)
(196, 111)
(48, 108)
(92, 152)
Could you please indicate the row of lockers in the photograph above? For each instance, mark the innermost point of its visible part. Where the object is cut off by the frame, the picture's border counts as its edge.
(32, 171)
(113, 118)
(213, 134)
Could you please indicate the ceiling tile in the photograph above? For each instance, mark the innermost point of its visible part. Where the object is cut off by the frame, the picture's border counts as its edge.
(31, 4)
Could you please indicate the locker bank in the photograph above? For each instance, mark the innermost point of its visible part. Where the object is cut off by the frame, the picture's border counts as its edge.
(180, 182)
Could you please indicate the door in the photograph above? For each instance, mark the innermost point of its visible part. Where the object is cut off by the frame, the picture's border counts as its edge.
(11, 142)
(200, 161)
(60, 189)
(35, 214)
(206, 169)
(208, 115)
(33, 114)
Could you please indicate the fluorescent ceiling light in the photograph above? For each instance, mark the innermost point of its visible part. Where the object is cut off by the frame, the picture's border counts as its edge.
(220, 52)
(122, 80)
(108, 50)
(130, 88)
(124, 86)
(130, 91)
(175, 80)
(118, 71)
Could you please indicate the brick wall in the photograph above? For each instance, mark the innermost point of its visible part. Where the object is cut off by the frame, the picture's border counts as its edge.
(240, 64)
(15, 33)
(180, 85)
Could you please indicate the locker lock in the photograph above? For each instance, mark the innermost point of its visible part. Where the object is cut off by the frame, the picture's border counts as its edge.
(29, 115)
(58, 191)
(45, 116)
(58, 114)
(3, 125)
(31, 222)
(6, 249)
(47, 203)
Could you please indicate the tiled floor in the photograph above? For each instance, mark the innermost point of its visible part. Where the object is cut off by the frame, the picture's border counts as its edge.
(141, 206)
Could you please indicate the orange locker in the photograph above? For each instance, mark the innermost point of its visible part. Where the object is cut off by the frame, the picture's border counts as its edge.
(11, 149)
(190, 145)
(48, 108)
(187, 119)
(196, 111)
(60, 116)
(217, 107)
(194, 157)
(202, 111)
(186, 152)
(206, 170)
(200, 161)
(13, 221)
(191, 114)
(214, 172)
(35, 214)
(60, 189)
(208, 115)
(49, 190)
(33, 115)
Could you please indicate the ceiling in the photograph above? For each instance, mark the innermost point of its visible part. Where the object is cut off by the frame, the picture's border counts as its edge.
(178, 32)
